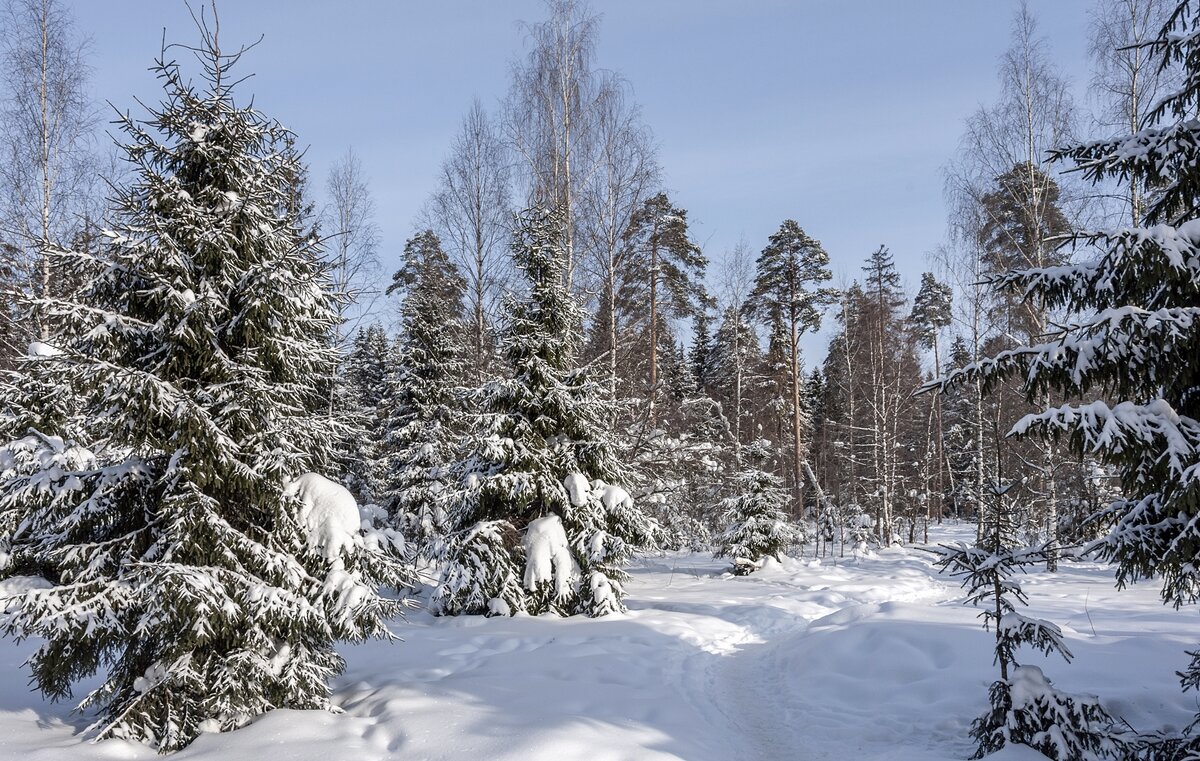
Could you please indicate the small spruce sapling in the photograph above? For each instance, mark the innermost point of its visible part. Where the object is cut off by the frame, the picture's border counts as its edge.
(755, 516)
(1025, 708)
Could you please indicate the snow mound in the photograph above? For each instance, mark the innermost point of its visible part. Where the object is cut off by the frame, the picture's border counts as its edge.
(41, 349)
(328, 514)
(612, 496)
(19, 585)
(548, 556)
(578, 488)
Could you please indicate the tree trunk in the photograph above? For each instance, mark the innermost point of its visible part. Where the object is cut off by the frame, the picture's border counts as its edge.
(797, 445)
(43, 320)
(653, 320)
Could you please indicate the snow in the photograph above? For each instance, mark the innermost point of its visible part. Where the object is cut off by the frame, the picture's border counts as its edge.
(328, 514)
(578, 489)
(613, 497)
(40, 349)
(548, 556)
(860, 659)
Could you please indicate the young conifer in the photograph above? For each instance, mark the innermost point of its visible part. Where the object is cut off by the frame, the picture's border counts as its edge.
(540, 523)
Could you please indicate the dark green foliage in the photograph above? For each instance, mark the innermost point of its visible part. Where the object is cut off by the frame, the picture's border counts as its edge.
(1028, 710)
(421, 412)
(200, 357)
(789, 277)
(540, 425)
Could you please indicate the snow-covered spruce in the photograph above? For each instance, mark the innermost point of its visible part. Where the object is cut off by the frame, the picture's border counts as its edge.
(1128, 339)
(1024, 708)
(199, 353)
(756, 521)
(1027, 709)
(421, 413)
(543, 438)
(359, 397)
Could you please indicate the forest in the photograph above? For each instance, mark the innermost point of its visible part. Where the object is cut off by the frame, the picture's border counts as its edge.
(232, 436)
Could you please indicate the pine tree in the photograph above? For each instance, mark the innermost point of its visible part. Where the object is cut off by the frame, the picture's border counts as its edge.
(422, 410)
(931, 310)
(665, 274)
(201, 357)
(789, 288)
(755, 516)
(539, 522)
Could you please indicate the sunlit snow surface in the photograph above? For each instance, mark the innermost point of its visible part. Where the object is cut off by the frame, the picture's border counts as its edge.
(846, 658)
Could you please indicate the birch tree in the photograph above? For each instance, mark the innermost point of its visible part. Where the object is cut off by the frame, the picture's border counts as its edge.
(549, 114)
(471, 211)
(353, 252)
(46, 124)
(625, 171)
(1126, 81)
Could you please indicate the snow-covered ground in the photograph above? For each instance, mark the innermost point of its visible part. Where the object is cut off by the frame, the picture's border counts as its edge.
(848, 658)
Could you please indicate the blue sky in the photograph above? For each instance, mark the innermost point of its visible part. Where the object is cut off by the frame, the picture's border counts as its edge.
(840, 115)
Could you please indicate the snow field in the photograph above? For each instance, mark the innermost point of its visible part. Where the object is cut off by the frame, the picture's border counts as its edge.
(846, 658)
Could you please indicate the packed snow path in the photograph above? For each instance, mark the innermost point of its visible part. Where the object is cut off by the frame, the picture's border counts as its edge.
(846, 658)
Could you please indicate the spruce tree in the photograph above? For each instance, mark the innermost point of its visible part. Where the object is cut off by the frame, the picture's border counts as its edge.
(366, 371)
(1025, 708)
(1127, 344)
(422, 408)
(755, 516)
(201, 357)
(700, 358)
(540, 522)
